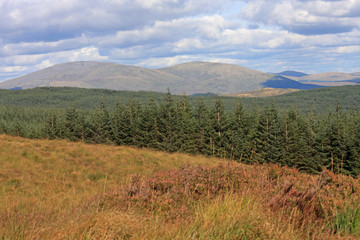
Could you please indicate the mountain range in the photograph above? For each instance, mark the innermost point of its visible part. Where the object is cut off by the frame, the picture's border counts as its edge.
(186, 78)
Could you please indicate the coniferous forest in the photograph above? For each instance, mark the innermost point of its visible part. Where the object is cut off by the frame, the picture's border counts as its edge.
(263, 134)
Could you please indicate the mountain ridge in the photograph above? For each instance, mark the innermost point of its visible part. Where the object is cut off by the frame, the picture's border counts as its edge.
(187, 78)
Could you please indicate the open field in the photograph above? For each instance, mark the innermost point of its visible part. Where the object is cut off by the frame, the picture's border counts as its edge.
(64, 190)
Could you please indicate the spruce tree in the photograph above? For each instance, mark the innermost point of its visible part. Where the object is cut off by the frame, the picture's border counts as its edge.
(268, 137)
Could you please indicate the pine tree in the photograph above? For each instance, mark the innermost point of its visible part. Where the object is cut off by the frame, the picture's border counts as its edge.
(72, 124)
(297, 142)
(237, 133)
(148, 134)
(219, 139)
(51, 126)
(125, 124)
(167, 128)
(101, 127)
(268, 137)
(202, 129)
(185, 127)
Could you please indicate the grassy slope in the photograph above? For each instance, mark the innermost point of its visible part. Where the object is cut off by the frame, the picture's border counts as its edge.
(64, 190)
(45, 183)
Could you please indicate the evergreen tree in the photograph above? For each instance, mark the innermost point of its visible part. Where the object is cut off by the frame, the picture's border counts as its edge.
(148, 134)
(167, 125)
(185, 127)
(101, 128)
(72, 125)
(202, 129)
(268, 137)
(237, 133)
(297, 141)
(125, 124)
(51, 126)
(219, 139)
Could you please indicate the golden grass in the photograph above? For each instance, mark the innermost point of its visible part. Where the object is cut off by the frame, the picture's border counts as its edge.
(64, 190)
(43, 183)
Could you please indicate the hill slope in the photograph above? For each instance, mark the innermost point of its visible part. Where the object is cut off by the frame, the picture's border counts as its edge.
(224, 78)
(65, 190)
(189, 78)
(96, 75)
(327, 77)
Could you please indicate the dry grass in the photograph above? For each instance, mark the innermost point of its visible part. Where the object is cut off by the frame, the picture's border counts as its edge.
(43, 183)
(64, 190)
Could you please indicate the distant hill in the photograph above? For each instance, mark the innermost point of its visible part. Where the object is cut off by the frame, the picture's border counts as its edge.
(283, 82)
(327, 77)
(292, 74)
(188, 78)
(96, 75)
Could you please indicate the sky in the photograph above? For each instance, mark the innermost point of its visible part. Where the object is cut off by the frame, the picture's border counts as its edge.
(270, 36)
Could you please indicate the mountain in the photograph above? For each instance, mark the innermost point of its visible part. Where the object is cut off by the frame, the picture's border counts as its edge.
(95, 75)
(189, 78)
(292, 74)
(218, 77)
(283, 82)
(327, 77)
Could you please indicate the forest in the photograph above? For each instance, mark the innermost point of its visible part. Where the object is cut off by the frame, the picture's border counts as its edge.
(267, 132)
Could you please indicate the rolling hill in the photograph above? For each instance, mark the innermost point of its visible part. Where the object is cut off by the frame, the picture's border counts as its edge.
(95, 75)
(188, 78)
(292, 74)
(328, 79)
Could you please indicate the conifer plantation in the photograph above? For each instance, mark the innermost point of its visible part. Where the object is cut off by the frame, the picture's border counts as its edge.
(305, 141)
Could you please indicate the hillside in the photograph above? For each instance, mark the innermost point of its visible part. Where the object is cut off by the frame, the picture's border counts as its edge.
(265, 92)
(96, 75)
(328, 79)
(59, 190)
(319, 100)
(225, 78)
(189, 78)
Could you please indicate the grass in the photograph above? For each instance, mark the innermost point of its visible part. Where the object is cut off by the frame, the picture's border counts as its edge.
(64, 190)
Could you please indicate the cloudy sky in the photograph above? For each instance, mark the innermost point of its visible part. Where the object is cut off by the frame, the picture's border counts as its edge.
(270, 36)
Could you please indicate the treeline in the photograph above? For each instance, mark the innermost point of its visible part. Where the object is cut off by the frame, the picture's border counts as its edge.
(307, 142)
(319, 100)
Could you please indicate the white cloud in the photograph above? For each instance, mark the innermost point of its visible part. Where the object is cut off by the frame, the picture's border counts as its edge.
(187, 44)
(346, 49)
(299, 34)
(12, 69)
(306, 17)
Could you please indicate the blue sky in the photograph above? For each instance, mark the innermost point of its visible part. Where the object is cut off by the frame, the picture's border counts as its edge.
(270, 36)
